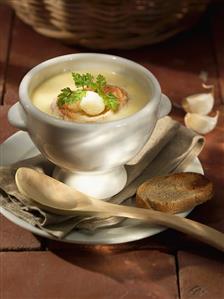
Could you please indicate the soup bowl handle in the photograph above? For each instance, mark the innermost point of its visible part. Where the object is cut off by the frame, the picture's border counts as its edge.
(164, 106)
(17, 116)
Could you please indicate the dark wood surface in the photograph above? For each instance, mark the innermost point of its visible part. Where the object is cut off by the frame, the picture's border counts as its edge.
(169, 265)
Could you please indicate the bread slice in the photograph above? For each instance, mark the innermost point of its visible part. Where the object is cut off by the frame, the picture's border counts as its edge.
(174, 193)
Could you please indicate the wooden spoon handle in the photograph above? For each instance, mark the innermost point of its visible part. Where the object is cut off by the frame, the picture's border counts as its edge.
(199, 231)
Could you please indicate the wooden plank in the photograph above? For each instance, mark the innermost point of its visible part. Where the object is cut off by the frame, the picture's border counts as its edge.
(218, 38)
(65, 275)
(178, 62)
(28, 49)
(13, 237)
(200, 276)
(154, 243)
(5, 27)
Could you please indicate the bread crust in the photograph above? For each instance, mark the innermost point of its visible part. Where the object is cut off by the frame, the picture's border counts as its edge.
(174, 193)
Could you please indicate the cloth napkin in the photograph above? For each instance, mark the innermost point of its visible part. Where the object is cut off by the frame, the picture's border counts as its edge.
(171, 148)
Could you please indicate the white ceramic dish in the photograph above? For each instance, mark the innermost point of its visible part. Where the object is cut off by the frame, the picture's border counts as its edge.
(90, 155)
(19, 146)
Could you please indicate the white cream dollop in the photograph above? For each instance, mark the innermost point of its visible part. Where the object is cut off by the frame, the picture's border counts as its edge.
(92, 103)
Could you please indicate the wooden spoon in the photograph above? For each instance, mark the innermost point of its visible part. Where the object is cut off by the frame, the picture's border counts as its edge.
(59, 198)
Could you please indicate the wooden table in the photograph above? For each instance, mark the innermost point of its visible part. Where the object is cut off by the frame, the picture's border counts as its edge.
(169, 265)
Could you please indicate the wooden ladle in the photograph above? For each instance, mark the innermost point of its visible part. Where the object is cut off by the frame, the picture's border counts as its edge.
(59, 198)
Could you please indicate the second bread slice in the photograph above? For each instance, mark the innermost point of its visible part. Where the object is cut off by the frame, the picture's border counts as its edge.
(174, 193)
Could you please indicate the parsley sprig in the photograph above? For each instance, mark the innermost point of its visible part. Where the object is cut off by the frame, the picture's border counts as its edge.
(68, 96)
(84, 82)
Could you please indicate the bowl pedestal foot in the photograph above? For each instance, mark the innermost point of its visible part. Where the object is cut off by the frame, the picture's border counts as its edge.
(98, 184)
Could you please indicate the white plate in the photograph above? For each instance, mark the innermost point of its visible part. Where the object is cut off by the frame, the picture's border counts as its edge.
(19, 146)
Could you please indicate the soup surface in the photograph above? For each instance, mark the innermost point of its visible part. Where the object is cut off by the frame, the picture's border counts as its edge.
(44, 97)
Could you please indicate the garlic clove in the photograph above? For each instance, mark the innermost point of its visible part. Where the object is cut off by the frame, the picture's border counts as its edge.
(201, 124)
(201, 103)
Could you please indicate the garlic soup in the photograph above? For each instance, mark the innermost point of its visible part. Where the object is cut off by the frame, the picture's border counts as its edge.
(111, 96)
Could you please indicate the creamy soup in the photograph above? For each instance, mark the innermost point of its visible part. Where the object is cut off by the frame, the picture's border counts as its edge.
(45, 95)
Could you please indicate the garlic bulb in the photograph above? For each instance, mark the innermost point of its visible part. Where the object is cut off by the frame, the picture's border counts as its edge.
(201, 124)
(92, 103)
(201, 103)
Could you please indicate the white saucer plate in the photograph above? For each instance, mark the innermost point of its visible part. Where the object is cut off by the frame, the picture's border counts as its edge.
(19, 146)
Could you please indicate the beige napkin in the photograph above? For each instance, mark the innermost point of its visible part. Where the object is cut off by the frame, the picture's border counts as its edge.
(170, 149)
